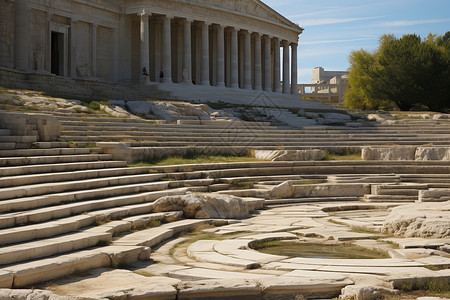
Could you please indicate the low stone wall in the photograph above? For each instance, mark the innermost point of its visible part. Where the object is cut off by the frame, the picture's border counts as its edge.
(289, 155)
(434, 195)
(289, 189)
(124, 151)
(45, 127)
(77, 88)
(327, 190)
(419, 153)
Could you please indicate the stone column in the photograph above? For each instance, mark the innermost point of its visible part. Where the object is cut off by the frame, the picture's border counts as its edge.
(187, 61)
(73, 49)
(220, 56)
(294, 89)
(167, 50)
(21, 35)
(205, 54)
(258, 68)
(286, 85)
(116, 55)
(145, 44)
(276, 66)
(247, 61)
(234, 59)
(94, 50)
(267, 65)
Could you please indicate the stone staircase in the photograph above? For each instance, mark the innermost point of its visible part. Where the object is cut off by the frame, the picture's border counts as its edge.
(65, 209)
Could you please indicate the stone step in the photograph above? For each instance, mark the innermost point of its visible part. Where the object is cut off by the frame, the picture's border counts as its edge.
(54, 245)
(29, 203)
(30, 273)
(44, 229)
(309, 200)
(5, 132)
(47, 152)
(7, 146)
(64, 167)
(59, 187)
(94, 118)
(404, 192)
(389, 198)
(68, 176)
(19, 138)
(34, 160)
(111, 207)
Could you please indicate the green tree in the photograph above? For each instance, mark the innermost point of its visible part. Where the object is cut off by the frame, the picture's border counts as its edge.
(405, 71)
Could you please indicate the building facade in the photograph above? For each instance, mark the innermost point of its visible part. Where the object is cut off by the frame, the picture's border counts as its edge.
(230, 43)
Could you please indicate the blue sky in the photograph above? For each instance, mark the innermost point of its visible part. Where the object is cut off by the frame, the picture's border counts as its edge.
(335, 28)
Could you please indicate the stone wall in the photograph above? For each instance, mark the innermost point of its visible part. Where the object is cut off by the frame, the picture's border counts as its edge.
(6, 33)
(46, 128)
(105, 53)
(406, 153)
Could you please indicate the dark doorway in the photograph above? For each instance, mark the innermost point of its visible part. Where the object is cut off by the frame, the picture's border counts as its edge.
(57, 53)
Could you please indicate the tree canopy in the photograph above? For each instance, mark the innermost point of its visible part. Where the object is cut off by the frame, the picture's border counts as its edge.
(406, 71)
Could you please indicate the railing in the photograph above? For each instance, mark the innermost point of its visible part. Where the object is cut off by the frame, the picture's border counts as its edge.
(323, 92)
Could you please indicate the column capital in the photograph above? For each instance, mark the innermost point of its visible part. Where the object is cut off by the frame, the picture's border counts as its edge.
(256, 34)
(168, 17)
(284, 43)
(294, 44)
(188, 20)
(144, 13)
(266, 36)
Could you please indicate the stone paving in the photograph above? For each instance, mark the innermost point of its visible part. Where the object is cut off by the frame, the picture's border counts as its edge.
(225, 266)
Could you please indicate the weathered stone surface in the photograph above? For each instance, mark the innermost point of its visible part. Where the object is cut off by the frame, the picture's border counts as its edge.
(289, 155)
(434, 195)
(285, 287)
(283, 190)
(6, 279)
(204, 206)
(419, 220)
(117, 284)
(33, 294)
(432, 153)
(388, 153)
(326, 190)
(357, 292)
(219, 289)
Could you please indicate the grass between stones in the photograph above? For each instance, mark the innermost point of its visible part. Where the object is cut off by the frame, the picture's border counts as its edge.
(318, 250)
(343, 155)
(202, 159)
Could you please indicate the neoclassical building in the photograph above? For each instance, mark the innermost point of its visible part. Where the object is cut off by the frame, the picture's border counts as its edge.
(230, 43)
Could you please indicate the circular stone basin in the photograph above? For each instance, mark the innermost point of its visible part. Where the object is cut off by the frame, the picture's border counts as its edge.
(318, 250)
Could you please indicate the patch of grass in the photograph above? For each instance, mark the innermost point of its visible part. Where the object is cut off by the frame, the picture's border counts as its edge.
(343, 155)
(362, 229)
(242, 185)
(433, 285)
(202, 159)
(437, 268)
(314, 250)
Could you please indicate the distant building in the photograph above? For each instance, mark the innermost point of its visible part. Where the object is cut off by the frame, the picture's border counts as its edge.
(319, 75)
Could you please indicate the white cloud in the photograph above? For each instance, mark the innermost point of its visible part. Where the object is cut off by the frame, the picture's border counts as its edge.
(329, 21)
(337, 41)
(406, 23)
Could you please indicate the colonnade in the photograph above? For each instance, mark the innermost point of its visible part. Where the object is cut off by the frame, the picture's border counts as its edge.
(197, 52)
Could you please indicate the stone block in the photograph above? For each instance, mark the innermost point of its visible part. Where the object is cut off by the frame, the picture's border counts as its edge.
(219, 289)
(6, 280)
(389, 153)
(289, 155)
(51, 268)
(432, 153)
(357, 292)
(330, 190)
(434, 195)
